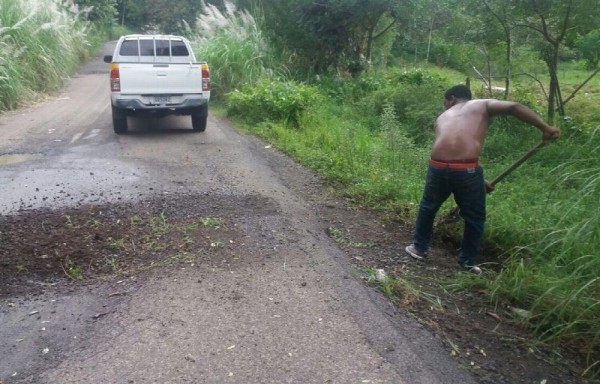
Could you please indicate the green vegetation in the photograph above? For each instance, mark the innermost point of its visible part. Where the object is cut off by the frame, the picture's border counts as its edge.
(370, 135)
(212, 222)
(73, 270)
(41, 43)
(235, 45)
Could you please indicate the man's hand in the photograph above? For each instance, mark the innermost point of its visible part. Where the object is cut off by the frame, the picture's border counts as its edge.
(489, 187)
(550, 134)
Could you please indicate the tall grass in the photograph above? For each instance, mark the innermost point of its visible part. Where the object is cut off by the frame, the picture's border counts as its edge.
(557, 274)
(234, 47)
(42, 42)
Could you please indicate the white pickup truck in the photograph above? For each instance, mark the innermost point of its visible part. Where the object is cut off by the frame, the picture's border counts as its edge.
(157, 75)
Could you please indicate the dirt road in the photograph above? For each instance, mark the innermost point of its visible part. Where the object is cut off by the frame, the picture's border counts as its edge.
(261, 295)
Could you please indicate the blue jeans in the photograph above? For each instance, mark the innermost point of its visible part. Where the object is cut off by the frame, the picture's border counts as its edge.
(468, 188)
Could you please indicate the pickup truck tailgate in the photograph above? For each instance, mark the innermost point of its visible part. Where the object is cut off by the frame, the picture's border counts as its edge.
(163, 78)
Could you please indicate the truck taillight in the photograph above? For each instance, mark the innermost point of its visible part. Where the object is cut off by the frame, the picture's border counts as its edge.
(205, 78)
(115, 79)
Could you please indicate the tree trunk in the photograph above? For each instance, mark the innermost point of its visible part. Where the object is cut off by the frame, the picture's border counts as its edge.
(429, 39)
(508, 66)
(552, 99)
(369, 50)
(551, 60)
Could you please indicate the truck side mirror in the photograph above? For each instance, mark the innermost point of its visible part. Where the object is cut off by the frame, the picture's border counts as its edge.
(108, 59)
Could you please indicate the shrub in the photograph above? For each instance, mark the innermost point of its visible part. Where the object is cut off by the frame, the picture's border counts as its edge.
(453, 55)
(589, 46)
(352, 89)
(271, 100)
(416, 106)
(415, 76)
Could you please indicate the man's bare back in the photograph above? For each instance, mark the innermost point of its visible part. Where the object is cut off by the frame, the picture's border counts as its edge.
(460, 130)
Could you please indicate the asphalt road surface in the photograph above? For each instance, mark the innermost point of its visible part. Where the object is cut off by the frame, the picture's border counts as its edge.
(291, 312)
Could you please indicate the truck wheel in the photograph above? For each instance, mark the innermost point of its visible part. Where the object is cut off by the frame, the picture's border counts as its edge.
(119, 121)
(199, 120)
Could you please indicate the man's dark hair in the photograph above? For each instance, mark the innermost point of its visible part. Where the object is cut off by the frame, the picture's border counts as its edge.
(459, 91)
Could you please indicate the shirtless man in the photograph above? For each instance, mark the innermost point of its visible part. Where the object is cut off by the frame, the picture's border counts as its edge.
(454, 167)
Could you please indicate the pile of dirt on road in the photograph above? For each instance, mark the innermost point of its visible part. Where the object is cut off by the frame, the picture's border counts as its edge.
(50, 247)
(74, 246)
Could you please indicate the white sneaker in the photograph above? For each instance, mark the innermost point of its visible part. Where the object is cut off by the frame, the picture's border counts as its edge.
(415, 253)
(473, 268)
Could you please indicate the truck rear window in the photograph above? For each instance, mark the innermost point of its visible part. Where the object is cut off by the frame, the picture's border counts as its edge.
(147, 48)
(129, 48)
(178, 48)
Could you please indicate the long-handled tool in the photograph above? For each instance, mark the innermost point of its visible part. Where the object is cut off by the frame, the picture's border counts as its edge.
(454, 214)
(517, 163)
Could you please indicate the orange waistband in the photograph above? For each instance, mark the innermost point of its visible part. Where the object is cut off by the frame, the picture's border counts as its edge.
(456, 164)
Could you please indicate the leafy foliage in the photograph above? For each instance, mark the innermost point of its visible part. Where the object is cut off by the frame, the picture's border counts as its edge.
(272, 100)
(589, 46)
(328, 35)
(100, 12)
(165, 16)
(352, 89)
(415, 97)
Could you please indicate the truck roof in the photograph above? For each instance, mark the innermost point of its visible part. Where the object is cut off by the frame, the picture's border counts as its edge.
(153, 36)
(150, 48)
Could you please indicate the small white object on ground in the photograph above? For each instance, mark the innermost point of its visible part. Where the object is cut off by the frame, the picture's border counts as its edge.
(380, 275)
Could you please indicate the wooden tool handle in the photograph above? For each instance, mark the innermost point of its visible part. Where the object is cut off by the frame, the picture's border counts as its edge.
(517, 163)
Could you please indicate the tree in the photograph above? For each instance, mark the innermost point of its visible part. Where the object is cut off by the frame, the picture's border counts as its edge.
(167, 16)
(434, 14)
(327, 34)
(370, 23)
(101, 12)
(348, 28)
(556, 21)
(503, 12)
(589, 46)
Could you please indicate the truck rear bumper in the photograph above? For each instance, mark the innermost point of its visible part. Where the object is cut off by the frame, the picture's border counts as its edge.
(135, 104)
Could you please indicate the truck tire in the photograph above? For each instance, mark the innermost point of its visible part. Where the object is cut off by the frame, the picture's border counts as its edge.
(119, 121)
(199, 119)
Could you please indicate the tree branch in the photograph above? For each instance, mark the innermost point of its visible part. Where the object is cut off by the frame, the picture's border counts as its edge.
(385, 30)
(566, 21)
(536, 80)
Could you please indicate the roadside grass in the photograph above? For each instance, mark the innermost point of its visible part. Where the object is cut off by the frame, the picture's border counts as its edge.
(364, 163)
(42, 42)
(234, 46)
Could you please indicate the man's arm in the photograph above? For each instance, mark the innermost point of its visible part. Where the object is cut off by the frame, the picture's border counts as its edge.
(521, 112)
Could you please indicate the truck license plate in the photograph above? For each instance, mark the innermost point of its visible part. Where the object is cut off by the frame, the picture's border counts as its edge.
(162, 99)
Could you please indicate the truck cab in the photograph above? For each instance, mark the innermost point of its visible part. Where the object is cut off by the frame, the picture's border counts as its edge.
(157, 75)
